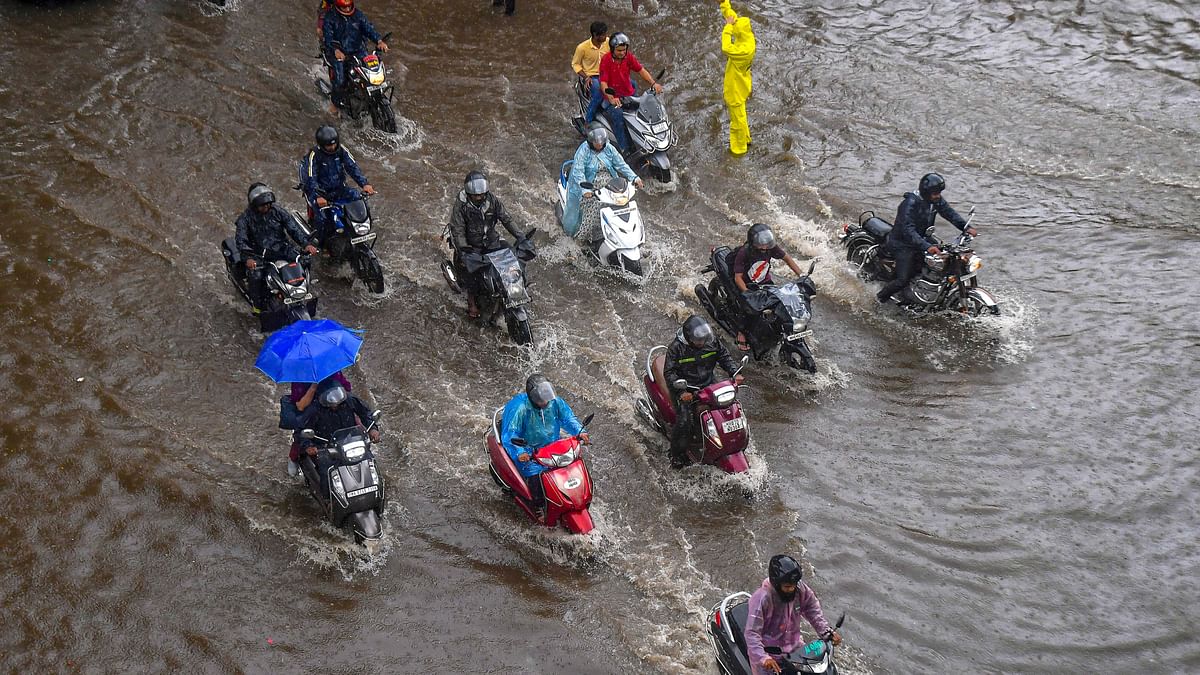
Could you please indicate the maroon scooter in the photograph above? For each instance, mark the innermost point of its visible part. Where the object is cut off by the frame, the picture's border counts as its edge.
(723, 433)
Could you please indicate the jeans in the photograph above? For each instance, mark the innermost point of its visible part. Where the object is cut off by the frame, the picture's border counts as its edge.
(617, 118)
(908, 265)
(536, 491)
(595, 101)
(339, 77)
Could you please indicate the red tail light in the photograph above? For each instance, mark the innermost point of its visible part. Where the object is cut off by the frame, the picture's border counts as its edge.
(845, 228)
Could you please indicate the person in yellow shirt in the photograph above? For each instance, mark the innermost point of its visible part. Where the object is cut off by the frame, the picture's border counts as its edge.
(586, 64)
(737, 43)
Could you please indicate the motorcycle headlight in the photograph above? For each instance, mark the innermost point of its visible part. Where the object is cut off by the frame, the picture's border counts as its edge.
(799, 325)
(297, 291)
(974, 263)
(362, 228)
(710, 430)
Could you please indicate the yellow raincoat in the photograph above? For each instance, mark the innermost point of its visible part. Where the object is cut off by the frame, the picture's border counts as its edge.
(737, 43)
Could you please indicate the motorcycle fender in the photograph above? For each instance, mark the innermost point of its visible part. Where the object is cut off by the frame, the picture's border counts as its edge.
(366, 524)
(578, 522)
(734, 463)
(520, 314)
(659, 160)
(855, 238)
(987, 298)
(800, 347)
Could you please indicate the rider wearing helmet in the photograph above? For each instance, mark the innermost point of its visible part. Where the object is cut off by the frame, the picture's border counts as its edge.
(752, 264)
(323, 174)
(594, 153)
(771, 630)
(910, 238)
(346, 30)
(337, 409)
(539, 417)
(693, 355)
(473, 219)
(266, 233)
(615, 67)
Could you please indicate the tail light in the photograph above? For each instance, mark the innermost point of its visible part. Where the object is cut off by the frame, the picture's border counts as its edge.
(845, 228)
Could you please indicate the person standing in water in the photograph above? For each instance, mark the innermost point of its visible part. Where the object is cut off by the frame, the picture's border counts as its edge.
(737, 43)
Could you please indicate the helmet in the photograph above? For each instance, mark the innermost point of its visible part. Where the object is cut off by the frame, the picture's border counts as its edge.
(931, 183)
(326, 135)
(539, 390)
(697, 331)
(333, 396)
(597, 136)
(616, 40)
(259, 194)
(475, 183)
(783, 569)
(760, 235)
(344, 6)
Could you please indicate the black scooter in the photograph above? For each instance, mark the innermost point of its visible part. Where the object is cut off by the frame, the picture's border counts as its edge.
(504, 288)
(289, 292)
(726, 625)
(353, 488)
(770, 315)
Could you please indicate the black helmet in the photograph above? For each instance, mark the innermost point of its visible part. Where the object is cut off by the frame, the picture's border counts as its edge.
(760, 235)
(259, 194)
(539, 390)
(783, 569)
(697, 331)
(931, 183)
(326, 135)
(616, 40)
(475, 184)
(333, 396)
(597, 136)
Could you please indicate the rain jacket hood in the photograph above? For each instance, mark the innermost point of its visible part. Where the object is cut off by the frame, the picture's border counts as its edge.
(539, 428)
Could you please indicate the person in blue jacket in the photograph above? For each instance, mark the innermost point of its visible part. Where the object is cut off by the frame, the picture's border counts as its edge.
(346, 30)
(323, 174)
(539, 417)
(909, 239)
(593, 154)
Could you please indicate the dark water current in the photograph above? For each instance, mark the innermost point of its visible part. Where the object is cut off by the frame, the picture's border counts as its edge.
(1017, 495)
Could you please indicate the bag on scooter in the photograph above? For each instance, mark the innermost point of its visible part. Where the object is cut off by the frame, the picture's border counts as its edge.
(289, 414)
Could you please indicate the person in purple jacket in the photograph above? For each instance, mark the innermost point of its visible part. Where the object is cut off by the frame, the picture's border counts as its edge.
(772, 629)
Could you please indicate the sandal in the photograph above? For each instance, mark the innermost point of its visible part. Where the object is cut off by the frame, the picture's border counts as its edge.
(742, 344)
(472, 313)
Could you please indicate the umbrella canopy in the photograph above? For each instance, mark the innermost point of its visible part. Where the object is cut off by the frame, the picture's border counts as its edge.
(308, 351)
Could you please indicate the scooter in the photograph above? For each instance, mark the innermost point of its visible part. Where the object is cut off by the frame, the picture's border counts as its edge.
(352, 238)
(366, 88)
(619, 222)
(289, 295)
(724, 435)
(646, 123)
(353, 488)
(566, 482)
(503, 286)
(726, 625)
(771, 315)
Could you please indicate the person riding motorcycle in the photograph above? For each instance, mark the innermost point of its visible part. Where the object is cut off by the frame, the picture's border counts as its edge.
(752, 264)
(595, 152)
(539, 417)
(344, 29)
(473, 218)
(692, 356)
(302, 395)
(615, 67)
(908, 241)
(337, 410)
(586, 64)
(265, 233)
(771, 630)
(323, 177)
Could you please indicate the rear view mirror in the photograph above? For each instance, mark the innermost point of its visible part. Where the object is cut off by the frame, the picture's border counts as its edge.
(376, 415)
(812, 266)
(680, 383)
(588, 420)
(840, 620)
(745, 359)
(519, 442)
(587, 186)
(308, 434)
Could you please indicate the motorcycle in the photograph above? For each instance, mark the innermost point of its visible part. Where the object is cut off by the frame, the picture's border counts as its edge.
(718, 415)
(948, 280)
(352, 238)
(619, 221)
(289, 295)
(646, 123)
(771, 315)
(353, 490)
(726, 625)
(503, 286)
(566, 482)
(366, 88)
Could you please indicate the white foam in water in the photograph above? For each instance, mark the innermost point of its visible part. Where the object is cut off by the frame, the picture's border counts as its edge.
(211, 8)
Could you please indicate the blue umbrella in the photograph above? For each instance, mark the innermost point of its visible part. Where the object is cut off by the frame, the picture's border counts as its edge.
(308, 351)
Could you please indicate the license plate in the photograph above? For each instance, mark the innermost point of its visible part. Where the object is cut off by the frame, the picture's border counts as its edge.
(365, 237)
(366, 490)
(736, 424)
(293, 301)
(799, 336)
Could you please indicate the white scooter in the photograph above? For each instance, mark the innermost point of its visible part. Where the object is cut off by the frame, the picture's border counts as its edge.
(618, 241)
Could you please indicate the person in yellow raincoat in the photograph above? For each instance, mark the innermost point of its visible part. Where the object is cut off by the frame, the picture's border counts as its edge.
(737, 43)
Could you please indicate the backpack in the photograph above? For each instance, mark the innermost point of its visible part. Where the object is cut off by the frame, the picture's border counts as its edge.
(289, 414)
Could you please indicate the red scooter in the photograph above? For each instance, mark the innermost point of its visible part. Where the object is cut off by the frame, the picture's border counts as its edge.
(723, 433)
(565, 481)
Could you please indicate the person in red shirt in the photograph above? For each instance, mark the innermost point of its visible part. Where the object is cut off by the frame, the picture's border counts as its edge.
(615, 67)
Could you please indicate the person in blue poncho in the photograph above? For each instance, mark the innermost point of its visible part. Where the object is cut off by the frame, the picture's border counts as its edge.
(593, 153)
(539, 417)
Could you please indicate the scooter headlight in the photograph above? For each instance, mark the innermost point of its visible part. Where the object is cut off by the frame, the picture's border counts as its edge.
(974, 263)
(335, 479)
(710, 430)
(621, 200)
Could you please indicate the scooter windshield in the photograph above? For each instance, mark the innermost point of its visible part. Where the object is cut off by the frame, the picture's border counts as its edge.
(508, 269)
(795, 302)
(651, 109)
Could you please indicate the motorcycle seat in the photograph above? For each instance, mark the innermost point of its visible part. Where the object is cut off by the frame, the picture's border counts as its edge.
(722, 259)
(738, 615)
(877, 227)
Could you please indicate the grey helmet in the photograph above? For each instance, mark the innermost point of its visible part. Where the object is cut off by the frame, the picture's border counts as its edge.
(760, 235)
(616, 40)
(333, 396)
(697, 332)
(931, 183)
(475, 184)
(539, 390)
(597, 136)
(259, 194)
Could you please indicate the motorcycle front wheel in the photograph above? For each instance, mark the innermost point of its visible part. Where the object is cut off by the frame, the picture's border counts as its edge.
(367, 267)
(519, 330)
(383, 117)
